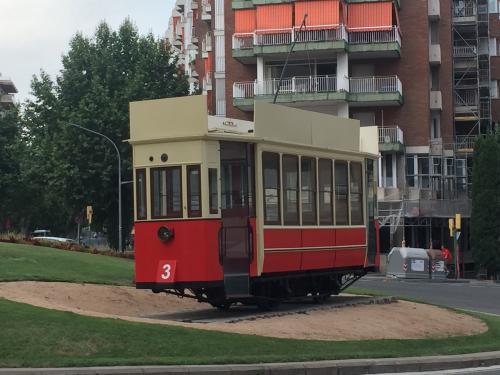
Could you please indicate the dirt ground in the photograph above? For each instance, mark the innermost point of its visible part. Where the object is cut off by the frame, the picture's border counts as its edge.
(400, 320)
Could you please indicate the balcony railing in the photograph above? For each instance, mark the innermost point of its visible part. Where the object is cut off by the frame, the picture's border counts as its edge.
(464, 51)
(390, 134)
(292, 85)
(464, 10)
(375, 36)
(466, 98)
(465, 142)
(362, 85)
(287, 36)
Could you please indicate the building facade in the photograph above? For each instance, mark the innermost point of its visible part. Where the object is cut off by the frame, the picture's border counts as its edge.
(424, 71)
(7, 91)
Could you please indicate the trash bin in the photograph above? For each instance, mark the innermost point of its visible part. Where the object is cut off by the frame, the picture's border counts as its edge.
(408, 263)
(437, 266)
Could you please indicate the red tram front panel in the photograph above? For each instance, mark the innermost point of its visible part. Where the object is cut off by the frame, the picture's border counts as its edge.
(192, 255)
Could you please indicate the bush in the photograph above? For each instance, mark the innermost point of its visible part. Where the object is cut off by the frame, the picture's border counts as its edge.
(12, 237)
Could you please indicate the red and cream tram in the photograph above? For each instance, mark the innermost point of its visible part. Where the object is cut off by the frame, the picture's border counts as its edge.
(253, 212)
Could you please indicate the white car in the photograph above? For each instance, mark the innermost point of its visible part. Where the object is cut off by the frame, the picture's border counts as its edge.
(55, 239)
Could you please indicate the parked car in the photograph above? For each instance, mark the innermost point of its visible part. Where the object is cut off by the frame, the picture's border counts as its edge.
(55, 239)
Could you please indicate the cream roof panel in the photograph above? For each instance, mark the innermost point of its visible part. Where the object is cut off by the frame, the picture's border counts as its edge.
(285, 124)
(368, 140)
(168, 118)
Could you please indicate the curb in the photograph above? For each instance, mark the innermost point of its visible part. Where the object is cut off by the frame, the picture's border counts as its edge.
(340, 367)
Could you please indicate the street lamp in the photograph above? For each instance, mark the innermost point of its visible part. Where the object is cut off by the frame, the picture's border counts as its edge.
(120, 247)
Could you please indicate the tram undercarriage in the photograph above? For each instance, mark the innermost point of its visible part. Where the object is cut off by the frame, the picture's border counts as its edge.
(268, 291)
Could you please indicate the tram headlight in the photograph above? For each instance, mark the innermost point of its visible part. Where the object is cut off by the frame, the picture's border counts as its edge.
(165, 234)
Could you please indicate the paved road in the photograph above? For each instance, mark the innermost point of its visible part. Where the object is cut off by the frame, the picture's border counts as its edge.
(479, 296)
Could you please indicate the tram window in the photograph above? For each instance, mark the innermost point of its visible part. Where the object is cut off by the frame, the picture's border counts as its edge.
(341, 193)
(308, 190)
(194, 190)
(140, 191)
(290, 165)
(166, 192)
(212, 191)
(271, 180)
(356, 194)
(325, 177)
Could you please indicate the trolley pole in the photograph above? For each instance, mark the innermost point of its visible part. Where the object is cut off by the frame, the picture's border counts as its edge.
(302, 25)
(120, 227)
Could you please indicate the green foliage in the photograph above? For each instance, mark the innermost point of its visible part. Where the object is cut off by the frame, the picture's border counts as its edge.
(485, 219)
(67, 168)
(9, 162)
(25, 262)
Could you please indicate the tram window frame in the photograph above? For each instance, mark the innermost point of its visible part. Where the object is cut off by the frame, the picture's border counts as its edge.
(277, 168)
(356, 207)
(167, 180)
(309, 217)
(190, 195)
(290, 217)
(325, 166)
(344, 203)
(213, 191)
(141, 204)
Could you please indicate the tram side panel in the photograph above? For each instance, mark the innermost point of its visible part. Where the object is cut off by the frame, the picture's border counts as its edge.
(289, 250)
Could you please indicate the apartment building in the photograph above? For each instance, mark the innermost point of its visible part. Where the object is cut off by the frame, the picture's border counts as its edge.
(424, 71)
(7, 91)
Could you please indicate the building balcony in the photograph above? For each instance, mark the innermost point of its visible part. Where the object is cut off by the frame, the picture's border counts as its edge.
(179, 5)
(276, 43)
(375, 91)
(466, 100)
(206, 11)
(465, 143)
(207, 81)
(390, 139)
(436, 101)
(435, 54)
(464, 52)
(362, 44)
(294, 89)
(375, 43)
(464, 12)
(364, 91)
(434, 10)
(6, 100)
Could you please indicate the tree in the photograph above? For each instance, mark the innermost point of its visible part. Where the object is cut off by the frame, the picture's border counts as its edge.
(9, 165)
(100, 76)
(485, 218)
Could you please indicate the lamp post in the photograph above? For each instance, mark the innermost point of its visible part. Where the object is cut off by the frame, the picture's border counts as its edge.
(120, 247)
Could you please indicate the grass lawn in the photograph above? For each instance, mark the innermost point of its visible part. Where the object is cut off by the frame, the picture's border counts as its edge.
(25, 262)
(35, 337)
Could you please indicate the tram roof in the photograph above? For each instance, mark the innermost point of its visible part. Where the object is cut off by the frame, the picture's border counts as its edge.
(186, 118)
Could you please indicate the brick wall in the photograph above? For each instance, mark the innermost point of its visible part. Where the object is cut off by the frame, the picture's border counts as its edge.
(235, 71)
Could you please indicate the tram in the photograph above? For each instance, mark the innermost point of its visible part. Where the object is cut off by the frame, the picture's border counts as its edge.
(231, 211)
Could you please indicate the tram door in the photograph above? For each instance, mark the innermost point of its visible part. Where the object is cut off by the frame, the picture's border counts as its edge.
(238, 205)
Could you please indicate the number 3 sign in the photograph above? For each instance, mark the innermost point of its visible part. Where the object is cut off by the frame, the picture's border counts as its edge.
(166, 271)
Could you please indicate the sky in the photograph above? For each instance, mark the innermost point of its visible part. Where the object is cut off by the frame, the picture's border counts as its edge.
(36, 33)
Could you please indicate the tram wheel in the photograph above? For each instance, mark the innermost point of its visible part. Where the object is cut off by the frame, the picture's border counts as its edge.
(321, 298)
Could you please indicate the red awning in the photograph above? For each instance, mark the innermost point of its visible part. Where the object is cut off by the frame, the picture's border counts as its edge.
(370, 16)
(274, 17)
(320, 13)
(244, 21)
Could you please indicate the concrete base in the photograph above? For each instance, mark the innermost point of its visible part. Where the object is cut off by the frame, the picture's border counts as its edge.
(342, 367)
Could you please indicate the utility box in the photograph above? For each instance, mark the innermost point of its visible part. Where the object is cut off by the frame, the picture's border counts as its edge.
(408, 263)
(437, 265)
